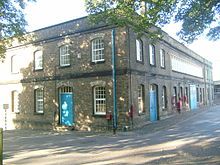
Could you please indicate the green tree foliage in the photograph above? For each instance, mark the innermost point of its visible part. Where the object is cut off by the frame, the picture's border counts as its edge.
(12, 22)
(133, 13)
(143, 15)
(197, 16)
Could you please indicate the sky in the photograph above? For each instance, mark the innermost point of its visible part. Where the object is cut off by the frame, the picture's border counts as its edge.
(45, 13)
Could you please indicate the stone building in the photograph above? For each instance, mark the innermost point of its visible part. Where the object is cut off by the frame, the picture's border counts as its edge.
(63, 77)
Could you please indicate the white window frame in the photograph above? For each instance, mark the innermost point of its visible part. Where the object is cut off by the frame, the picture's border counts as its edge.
(99, 100)
(139, 50)
(140, 99)
(152, 53)
(162, 58)
(38, 60)
(64, 55)
(98, 50)
(39, 100)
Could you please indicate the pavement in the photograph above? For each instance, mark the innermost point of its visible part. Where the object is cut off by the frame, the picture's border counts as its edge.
(167, 122)
(191, 137)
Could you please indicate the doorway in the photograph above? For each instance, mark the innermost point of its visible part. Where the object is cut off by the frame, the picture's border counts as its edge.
(153, 102)
(66, 104)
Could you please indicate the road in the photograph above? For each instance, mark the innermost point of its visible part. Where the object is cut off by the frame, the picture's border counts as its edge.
(193, 140)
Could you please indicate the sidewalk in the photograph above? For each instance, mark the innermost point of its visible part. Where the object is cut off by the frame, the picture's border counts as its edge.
(168, 122)
(171, 121)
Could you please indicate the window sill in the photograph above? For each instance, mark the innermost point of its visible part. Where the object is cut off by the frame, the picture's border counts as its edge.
(65, 66)
(99, 115)
(153, 65)
(38, 70)
(38, 113)
(140, 62)
(97, 62)
(141, 113)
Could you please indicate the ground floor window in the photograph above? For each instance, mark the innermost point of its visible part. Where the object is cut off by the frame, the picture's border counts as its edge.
(39, 100)
(200, 96)
(208, 94)
(15, 104)
(186, 95)
(99, 100)
(141, 98)
(181, 92)
(197, 94)
(174, 97)
(164, 97)
(186, 92)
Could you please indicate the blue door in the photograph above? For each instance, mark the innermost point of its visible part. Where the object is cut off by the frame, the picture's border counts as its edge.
(66, 109)
(193, 98)
(153, 105)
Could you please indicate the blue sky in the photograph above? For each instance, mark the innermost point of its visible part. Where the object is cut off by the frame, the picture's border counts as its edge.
(44, 13)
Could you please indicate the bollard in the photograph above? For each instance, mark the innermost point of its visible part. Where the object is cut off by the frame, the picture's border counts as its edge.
(1, 146)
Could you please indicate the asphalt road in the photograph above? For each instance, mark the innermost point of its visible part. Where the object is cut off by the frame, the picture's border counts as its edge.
(195, 139)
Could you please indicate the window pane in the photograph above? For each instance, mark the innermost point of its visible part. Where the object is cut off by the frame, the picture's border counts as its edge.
(39, 100)
(64, 56)
(162, 58)
(97, 50)
(15, 102)
(152, 54)
(99, 100)
(38, 59)
(140, 98)
(164, 98)
(139, 50)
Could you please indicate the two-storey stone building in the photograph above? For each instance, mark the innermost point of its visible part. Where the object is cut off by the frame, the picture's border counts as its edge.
(63, 77)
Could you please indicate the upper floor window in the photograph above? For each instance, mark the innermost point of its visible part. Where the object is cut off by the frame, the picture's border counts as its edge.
(152, 54)
(38, 60)
(190, 67)
(15, 64)
(64, 55)
(39, 100)
(139, 50)
(141, 99)
(15, 104)
(97, 50)
(99, 100)
(162, 58)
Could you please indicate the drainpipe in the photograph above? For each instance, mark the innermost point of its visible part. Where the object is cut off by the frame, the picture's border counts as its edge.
(115, 113)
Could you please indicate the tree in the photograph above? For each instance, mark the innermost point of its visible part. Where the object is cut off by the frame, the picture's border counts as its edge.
(143, 15)
(12, 22)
